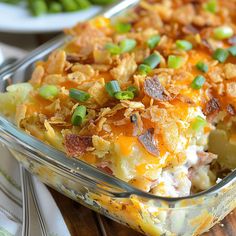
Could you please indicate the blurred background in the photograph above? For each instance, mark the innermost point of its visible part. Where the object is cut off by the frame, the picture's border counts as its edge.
(28, 23)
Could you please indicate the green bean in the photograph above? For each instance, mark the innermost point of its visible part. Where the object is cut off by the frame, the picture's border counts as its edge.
(82, 4)
(11, 1)
(69, 5)
(55, 7)
(101, 2)
(37, 7)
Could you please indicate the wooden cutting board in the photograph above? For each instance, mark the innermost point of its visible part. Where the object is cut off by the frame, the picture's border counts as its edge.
(84, 222)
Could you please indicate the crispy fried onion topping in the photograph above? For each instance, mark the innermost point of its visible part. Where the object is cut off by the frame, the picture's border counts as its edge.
(104, 166)
(148, 142)
(154, 89)
(212, 106)
(76, 144)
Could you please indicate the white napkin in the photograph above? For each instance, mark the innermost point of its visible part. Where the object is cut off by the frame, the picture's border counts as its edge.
(11, 212)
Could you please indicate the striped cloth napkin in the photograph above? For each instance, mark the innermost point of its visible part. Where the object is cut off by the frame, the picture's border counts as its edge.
(11, 212)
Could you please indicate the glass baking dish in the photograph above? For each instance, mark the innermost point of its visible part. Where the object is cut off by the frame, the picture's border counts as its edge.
(148, 214)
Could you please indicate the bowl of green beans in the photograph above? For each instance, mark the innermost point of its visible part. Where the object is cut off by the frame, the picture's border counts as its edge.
(40, 7)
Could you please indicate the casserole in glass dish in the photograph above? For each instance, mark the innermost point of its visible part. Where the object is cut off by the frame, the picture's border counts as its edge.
(163, 194)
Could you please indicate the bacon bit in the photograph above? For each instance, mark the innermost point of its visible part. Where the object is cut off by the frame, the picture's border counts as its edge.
(154, 89)
(231, 110)
(212, 106)
(72, 58)
(148, 142)
(205, 158)
(232, 40)
(104, 168)
(76, 144)
(190, 29)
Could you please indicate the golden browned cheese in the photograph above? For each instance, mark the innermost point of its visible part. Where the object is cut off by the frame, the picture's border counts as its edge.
(158, 120)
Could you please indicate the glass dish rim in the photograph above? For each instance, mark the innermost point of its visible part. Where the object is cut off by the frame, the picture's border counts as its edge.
(75, 165)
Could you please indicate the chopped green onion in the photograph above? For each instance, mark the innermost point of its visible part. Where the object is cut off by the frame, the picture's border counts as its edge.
(48, 91)
(112, 87)
(220, 55)
(55, 7)
(38, 7)
(133, 89)
(122, 27)
(184, 45)
(211, 6)
(78, 115)
(114, 49)
(223, 32)
(69, 5)
(202, 66)
(153, 41)
(124, 95)
(79, 95)
(83, 4)
(14, 2)
(153, 60)
(232, 50)
(127, 45)
(198, 82)
(198, 123)
(175, 62)
(144, 69)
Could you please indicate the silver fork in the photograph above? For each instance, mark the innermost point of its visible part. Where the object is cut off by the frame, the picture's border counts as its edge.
(42, 222)
(28, 190)
(25, 199)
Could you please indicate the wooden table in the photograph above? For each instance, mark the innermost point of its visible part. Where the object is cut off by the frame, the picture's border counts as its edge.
(83, 222)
